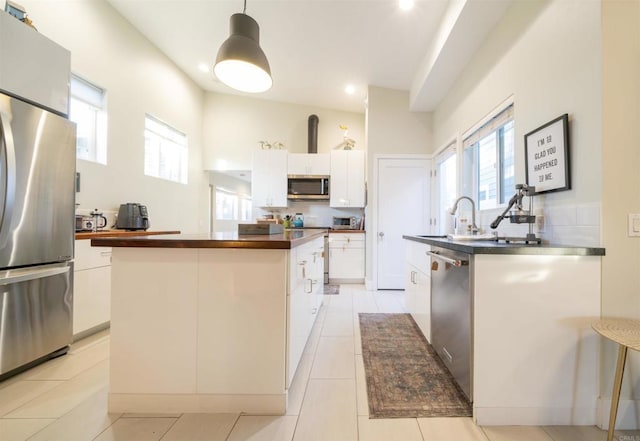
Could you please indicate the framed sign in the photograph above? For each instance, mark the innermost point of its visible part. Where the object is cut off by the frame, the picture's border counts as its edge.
(547, 156)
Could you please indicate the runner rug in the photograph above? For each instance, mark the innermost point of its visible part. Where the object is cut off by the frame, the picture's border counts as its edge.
(405, 377)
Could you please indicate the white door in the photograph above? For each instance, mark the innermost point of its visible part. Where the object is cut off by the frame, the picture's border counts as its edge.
(403, 208)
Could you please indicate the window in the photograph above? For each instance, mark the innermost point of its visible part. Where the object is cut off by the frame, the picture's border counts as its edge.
(165, 151)
(489, 161)
(87, 108)
(245, 208)
(231, 206)
(446, 175)
(226, 204)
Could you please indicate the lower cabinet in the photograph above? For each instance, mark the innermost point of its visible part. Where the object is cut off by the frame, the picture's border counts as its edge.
(305, 298)
(346, 257)
(418, 286)
(91, 288)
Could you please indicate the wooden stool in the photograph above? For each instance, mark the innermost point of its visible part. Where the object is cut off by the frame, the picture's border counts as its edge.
(626, 333)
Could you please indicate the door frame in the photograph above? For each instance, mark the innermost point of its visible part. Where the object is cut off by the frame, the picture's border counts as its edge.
(371, 282)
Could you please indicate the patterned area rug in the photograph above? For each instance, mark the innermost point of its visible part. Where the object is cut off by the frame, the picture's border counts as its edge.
(405, 377)
(331, 289)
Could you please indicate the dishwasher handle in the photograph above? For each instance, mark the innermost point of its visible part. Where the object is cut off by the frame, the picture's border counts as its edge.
(454, 262)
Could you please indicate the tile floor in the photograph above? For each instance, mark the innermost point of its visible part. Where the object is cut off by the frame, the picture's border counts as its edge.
(66, 399)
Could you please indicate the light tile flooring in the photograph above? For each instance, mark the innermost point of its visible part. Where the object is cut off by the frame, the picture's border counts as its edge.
(66, 399)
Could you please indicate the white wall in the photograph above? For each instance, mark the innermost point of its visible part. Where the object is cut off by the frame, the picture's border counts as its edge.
(391, 129)
(234, 126)
(547, 55)
(620, 184)
(139, 79)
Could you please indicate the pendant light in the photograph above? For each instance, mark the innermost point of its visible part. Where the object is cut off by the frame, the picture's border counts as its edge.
(241, 64)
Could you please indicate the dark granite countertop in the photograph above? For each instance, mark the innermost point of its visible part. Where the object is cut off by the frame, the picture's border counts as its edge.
(495, 247)
(287, 240)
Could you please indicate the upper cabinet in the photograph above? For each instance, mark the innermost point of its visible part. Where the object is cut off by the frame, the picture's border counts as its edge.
(269, 178)
(317, 164)
(33, 67)
(347, 179)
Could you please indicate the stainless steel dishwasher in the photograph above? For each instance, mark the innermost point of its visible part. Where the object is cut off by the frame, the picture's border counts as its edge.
(451, 313)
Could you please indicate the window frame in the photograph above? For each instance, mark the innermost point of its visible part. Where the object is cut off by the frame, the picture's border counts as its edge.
(441, 157)
(97, 103)
(493, 125)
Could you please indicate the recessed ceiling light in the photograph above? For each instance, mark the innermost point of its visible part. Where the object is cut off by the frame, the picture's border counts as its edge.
(350, 89)
(406, 5)
(204, 67)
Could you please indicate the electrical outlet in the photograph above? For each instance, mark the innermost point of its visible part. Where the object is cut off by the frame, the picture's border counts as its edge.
(540, 223)
(633, 225)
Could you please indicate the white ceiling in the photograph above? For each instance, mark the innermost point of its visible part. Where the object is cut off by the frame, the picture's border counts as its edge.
(316, 47)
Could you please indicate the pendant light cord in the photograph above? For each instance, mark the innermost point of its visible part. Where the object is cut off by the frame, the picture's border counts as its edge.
(244, 11)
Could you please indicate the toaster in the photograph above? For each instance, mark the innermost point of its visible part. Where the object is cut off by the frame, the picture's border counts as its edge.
(132, 216)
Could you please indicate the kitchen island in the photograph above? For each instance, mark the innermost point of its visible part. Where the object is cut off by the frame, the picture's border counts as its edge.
(210, 322)
(532, 357)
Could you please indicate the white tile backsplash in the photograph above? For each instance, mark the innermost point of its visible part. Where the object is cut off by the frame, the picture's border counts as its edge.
(316, 214)
(568, 224)
(588, 215)
(561, 215)
(574, 235)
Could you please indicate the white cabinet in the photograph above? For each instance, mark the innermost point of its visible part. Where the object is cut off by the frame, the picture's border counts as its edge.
(91, 288)
(418, 285)
(305, 298)
(223, 328)
(269, 178)
(346, 257)
(33, 67)
(347, 179)
(315, 164)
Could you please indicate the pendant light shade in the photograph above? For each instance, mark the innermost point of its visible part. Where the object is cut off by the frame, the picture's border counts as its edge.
(240, 63)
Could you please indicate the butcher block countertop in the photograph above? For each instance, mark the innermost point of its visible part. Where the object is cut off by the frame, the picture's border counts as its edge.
(119, 233)
(287, 240)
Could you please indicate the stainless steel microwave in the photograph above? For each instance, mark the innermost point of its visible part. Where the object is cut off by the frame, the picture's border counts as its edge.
(346, 223)
(307, 187)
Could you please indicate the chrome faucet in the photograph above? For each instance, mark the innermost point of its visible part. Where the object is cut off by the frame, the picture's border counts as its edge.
(474, 227)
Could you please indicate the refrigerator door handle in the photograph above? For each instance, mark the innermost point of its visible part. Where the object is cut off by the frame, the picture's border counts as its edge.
(22, 275)
(8, 175)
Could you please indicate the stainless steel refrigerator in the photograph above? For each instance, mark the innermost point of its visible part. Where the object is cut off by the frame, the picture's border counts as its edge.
(37, 203)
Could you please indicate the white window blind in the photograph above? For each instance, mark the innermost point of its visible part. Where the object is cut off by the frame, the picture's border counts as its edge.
(488, 127)
(83, 90)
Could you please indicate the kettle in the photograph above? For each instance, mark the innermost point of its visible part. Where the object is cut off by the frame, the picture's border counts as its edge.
(132, 216)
